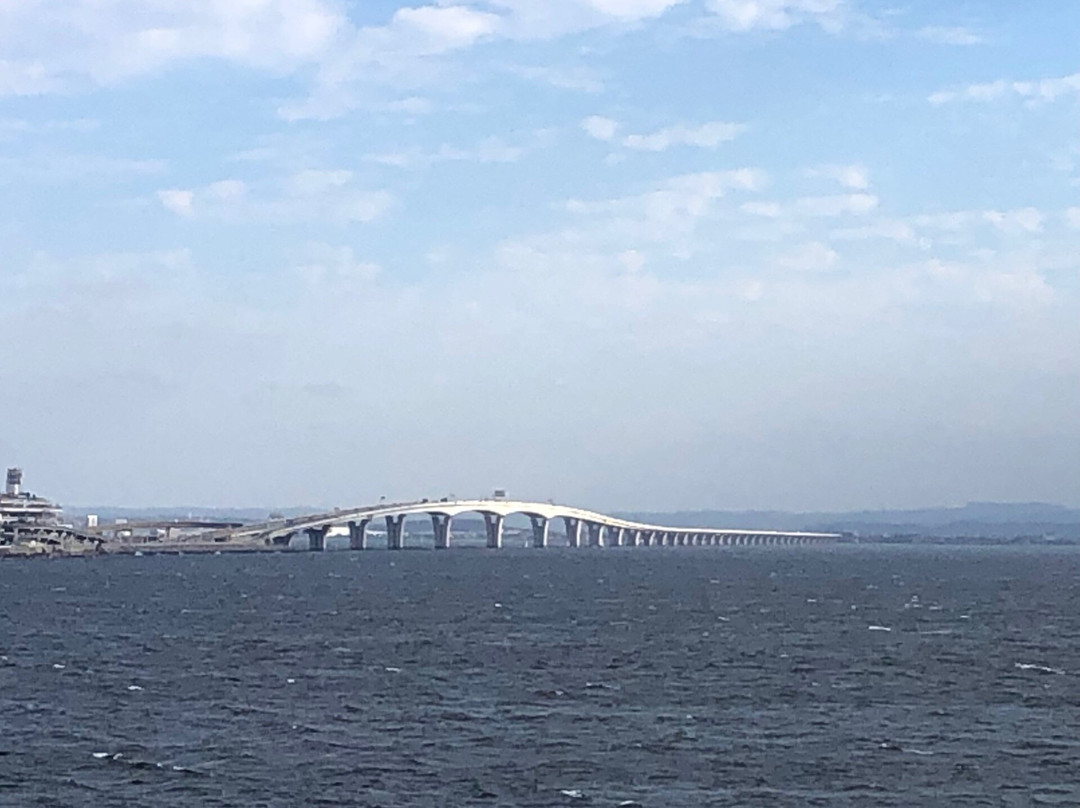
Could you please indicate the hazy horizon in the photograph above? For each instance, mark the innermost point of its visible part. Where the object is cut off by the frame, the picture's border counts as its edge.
(637, 255)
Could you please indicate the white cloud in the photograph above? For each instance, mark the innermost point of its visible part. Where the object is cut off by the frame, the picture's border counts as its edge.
(690, 193)
(310, 195)
(811, 257)
(577, 79)
(68, 167)
(227, 189)
(412, 105)
(25, 78)
(943, 35)
(1023, 220)
(435, 29)
(21, 126)
(770, 210)
(670, 213)
(313, 182)
(178, 201)
(632, 260)
(706, 136)
(487, 151)
(950, 281)
(889, 229)
(599, 127)
(1045, 90)
(1072, 218)
(633, 9)
(337, 268)
(855, 177)
(1019, 220)
(64, 42)
(529, 19)
(67, 44)
(837, 205)
(745, 15)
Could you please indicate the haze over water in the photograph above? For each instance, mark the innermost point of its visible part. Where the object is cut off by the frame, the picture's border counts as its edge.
(848, 676)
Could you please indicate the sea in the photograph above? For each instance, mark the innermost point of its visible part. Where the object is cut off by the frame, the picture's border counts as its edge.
(804, 676)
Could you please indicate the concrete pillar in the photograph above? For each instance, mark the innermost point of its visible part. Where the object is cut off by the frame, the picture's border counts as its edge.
(539, 531)
(317, 537)
(440, 525)
(573, 531)
(633, 538)
(613, 536)
(493, 525)
(394, 532)
(596, 534)
(358, 534)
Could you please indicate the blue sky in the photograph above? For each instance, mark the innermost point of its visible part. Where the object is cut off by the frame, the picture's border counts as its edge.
(638, 254)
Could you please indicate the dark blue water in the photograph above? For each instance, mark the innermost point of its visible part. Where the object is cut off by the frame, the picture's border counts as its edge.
(682, 677)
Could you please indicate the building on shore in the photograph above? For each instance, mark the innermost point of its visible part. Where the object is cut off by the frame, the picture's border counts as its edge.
(25, 515)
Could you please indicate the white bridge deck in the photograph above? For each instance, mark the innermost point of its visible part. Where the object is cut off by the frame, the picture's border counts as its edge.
(582, 527)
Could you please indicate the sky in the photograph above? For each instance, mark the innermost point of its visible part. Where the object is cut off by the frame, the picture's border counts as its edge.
(624, 254)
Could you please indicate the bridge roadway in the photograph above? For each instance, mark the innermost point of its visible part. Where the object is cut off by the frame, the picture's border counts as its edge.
(583, 528)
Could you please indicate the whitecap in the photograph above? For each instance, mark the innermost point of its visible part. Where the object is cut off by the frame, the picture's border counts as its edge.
(878, 628)
(1026, 666)
(134, 688)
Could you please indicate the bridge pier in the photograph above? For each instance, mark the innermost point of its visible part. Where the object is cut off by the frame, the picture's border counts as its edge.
(493, 525)
(317, 538)
(394, 532)
(633, 538)
(596, 534)
(281, 541)
(440, 524)
(614, 536)
(539, 531)
(573, 531)
(358, 534)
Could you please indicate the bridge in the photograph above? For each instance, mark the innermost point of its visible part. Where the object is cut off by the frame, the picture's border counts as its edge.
(582, 527)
